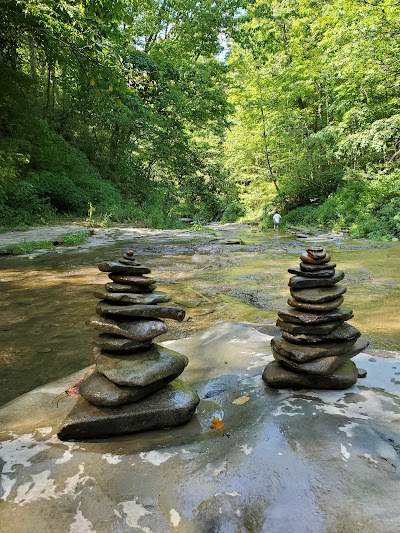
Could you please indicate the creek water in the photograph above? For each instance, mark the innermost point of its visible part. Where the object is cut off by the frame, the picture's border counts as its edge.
(232, 273)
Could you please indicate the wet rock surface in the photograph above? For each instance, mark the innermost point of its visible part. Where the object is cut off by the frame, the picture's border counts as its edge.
(98, 390)
(280, 377)
(300, 282)
(137, 310)
(286, 460)
(316, 339)
(155, 297)
(136, 330)
(300, 317)
(114, 342)
(343, 332)
(133, 387)
(316, 307)
(173, 405)
(319, 295)
(140, 367)
(322, 366)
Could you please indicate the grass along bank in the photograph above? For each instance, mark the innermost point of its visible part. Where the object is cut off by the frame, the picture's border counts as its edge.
(27, 247)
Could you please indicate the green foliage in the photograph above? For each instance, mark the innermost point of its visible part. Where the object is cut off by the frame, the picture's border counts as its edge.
(127, 107)
(26, 247)
(316, 95)
(367, 206)
(105, 103)
(74, 238)
(232, 212)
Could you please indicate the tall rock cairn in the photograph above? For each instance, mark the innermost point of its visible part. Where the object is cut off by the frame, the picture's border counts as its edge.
(133, 386)
(316, 343)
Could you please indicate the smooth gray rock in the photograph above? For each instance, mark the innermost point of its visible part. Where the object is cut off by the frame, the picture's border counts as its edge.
(317, 255)
(131, 280)
(134, 298)
(149, 311)
(317, 308)
(308, 267)
(318, 295)
(134, 329)
(279, 378)
(344, 332)
(312, 274)
(301, 282)
(116, 343)
(119, 268)
(172, 406)
(304, 353)
(140, 368)
(310, 260)
(136, 289)
(323, 365)
(98, 390)
(126, 261)
(300, 317)
(322, 329)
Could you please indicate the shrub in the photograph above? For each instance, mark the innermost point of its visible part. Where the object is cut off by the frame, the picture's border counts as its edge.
(368, 205)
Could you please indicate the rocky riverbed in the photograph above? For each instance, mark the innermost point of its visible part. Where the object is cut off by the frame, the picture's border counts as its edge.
(226, 272)
(282, 461)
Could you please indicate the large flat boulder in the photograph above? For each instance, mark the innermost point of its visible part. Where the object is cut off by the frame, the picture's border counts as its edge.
(279, 378)
(306, 461)
(172, 406)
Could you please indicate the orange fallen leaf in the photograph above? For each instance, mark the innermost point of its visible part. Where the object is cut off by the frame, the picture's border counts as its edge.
(217, 423)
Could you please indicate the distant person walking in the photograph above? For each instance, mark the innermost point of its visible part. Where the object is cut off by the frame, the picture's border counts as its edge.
(276, 219)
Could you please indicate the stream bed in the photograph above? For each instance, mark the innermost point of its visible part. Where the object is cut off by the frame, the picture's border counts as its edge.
(232, 272)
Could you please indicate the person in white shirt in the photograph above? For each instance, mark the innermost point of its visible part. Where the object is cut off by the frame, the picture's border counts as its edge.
(276, 219)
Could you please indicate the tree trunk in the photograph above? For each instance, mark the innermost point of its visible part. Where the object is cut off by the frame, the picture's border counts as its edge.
(265, 145)
(32, 57)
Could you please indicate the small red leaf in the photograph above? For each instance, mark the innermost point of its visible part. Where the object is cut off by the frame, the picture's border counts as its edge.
(73, 391)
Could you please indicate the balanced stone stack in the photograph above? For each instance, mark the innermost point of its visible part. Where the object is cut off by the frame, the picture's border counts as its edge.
(316, 343)
(133, 386)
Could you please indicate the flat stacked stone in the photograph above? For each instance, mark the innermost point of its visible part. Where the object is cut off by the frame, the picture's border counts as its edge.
(316, 343)
(133, 386)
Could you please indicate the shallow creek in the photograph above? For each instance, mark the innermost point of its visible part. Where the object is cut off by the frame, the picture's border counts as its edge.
(234, 273)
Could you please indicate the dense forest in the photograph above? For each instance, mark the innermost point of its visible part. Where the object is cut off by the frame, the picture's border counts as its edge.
(146, 111)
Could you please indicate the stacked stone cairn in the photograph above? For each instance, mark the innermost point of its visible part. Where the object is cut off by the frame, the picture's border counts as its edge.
(133, 386)
(316, 343)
